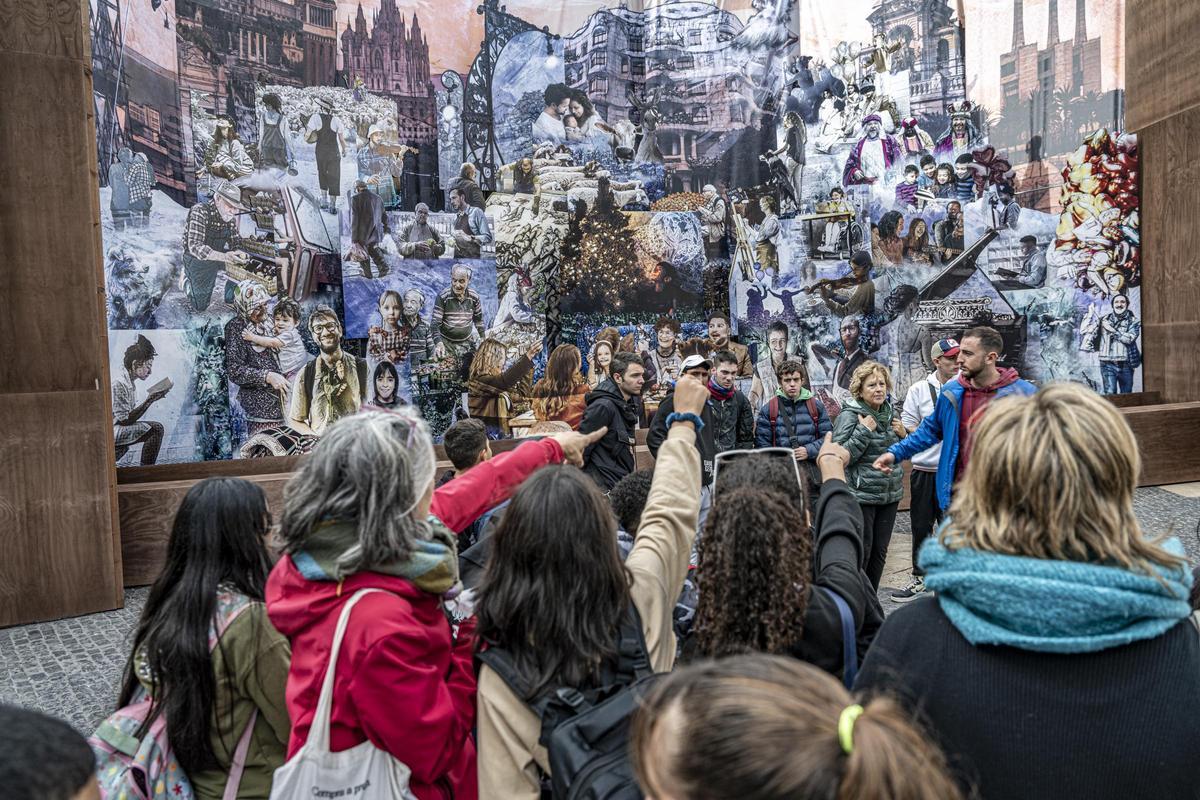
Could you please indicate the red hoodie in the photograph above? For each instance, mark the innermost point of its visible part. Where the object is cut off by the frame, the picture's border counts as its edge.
(402, 680)
(973, 402)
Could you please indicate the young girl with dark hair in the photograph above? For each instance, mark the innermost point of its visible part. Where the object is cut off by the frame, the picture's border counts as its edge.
(554, 601)
(217, 567)
(385, 386)
(760, 727)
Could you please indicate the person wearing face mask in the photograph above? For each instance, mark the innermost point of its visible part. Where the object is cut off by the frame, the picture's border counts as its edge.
(867, 425)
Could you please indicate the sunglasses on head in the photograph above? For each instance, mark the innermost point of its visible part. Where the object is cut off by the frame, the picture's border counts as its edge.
(730, 456)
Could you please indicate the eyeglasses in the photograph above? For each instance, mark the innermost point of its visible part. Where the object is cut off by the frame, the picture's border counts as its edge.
(770, 452)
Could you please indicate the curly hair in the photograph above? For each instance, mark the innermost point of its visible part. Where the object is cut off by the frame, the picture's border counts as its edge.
(754, 575)
(863, 373)
(628, 498)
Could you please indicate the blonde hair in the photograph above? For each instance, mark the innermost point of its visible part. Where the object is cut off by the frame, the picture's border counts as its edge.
(1052, 476)
(863, 373)
(762, 727)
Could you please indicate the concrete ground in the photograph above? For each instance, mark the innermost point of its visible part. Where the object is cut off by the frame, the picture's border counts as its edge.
(71, 668)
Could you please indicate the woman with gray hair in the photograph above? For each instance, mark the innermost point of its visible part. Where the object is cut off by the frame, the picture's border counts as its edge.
(361, 513)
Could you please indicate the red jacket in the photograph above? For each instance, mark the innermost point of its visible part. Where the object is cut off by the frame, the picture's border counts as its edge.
(402, 681)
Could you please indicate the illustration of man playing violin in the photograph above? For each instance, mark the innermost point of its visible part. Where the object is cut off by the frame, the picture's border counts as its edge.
(862, 297)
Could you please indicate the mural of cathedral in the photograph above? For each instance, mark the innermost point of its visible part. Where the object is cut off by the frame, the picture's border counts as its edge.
(393, 60)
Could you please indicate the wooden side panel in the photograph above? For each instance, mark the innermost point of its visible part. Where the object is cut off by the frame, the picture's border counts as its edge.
(58, 488)
(1170, 258)
(147, 511)
(1160, 60)
(55, 518)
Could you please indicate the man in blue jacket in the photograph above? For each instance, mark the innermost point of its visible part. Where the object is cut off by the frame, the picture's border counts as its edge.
(959, 408)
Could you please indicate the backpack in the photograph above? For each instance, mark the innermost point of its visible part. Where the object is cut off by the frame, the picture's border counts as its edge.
(586, 732)
(128, 768)
(773, 411)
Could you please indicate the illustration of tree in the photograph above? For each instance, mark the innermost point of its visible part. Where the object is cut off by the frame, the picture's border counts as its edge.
(605, 271)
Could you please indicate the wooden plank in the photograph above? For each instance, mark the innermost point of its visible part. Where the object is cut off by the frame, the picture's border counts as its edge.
(1161, 53)
(55, 513)
(1170, 259)
(147, 512)
(160, 473)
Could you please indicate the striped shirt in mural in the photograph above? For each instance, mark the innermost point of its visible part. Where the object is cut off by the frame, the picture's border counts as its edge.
(452, 318)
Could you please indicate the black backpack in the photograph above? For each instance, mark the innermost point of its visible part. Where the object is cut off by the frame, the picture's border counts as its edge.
(586, 732)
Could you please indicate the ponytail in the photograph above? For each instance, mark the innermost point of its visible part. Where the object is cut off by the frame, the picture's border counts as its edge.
(891, 758)
(760, 727)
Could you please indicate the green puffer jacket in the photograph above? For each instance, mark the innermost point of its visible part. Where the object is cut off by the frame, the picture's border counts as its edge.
(869, 485)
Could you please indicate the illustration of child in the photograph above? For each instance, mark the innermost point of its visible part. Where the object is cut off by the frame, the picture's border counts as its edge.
(388, 340)
(287, 340)
(906, 191)
(571, 123)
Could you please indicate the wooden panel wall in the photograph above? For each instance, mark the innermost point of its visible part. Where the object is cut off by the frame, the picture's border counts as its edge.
(57, 490)
(1160, 60)
(1171, 255)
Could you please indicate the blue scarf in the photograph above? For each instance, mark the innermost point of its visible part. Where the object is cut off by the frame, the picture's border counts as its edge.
(1053, 606)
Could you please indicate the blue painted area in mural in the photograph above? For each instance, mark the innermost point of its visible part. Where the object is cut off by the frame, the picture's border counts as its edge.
(361, 295)
(523, 71)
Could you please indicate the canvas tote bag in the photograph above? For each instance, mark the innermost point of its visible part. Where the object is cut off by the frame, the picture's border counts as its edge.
(364, 772)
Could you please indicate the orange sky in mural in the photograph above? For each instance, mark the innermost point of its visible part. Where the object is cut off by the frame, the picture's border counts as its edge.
(451, 27)
(992, 23)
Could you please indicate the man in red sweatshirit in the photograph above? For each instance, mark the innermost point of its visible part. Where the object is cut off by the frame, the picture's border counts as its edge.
(957, 410)
(981, 378)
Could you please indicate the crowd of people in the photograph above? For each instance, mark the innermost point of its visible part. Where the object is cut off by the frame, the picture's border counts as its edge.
(552, 621)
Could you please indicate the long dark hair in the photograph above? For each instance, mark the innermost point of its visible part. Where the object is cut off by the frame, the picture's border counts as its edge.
(589, 111)
(555, 600)
(754, 574)
(218, 537)
(562, 379)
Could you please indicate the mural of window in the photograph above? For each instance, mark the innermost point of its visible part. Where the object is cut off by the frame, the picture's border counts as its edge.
(943, 51)
(599, 37)
(694, 38)
(624, 65)
(700, 115)
(638, 66)
(686, 62)
(1008, 69)
(635, 44)
(598, 86)
(599, 59)
(735, 113)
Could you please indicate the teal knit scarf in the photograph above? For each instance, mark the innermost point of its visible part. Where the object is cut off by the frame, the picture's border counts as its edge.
(1053, 606)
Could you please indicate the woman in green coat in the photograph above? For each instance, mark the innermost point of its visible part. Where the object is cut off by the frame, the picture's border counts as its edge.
(867, 426)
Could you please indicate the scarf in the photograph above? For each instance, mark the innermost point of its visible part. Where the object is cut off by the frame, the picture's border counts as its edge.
(431, 567)
(718, 392)
(1053, 606)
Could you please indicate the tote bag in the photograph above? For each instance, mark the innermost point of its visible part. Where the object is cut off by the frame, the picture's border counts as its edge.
(364, 772)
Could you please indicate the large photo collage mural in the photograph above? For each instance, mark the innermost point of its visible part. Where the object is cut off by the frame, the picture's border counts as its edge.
(314, 206)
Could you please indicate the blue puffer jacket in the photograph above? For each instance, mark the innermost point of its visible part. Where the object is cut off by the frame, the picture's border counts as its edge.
(806, 432)
(942, 426)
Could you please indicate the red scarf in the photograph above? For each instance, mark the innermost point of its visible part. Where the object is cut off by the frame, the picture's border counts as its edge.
(718, 392)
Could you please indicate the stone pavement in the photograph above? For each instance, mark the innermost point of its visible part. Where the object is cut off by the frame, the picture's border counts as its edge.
(71, 668)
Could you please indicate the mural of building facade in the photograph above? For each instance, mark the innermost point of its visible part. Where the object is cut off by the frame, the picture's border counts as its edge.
(314, 206)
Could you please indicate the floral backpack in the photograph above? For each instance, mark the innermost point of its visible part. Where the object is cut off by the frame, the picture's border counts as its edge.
(129, 768)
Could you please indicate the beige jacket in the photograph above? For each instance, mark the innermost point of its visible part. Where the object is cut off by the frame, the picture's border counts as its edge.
(508, 731)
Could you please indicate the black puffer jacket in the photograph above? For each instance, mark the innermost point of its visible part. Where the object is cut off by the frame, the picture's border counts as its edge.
(611, 458)
(705, 441)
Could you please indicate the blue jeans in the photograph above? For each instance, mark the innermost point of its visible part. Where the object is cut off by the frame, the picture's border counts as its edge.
(1118, 377)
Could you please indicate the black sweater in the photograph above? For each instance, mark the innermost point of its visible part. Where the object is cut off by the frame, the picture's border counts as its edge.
(838, 525)
(1119, 723)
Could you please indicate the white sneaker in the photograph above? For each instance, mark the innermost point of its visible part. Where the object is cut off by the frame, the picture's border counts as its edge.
(912, 591)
